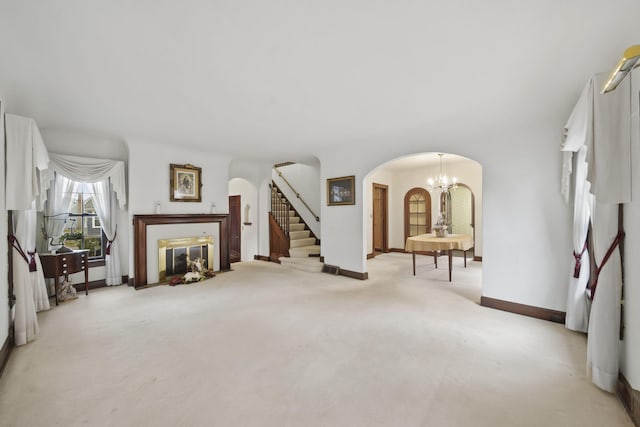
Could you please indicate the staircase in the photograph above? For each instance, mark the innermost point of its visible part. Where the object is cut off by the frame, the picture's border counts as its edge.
(303, 250)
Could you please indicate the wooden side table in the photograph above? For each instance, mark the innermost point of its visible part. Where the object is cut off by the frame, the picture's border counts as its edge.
(56, 265)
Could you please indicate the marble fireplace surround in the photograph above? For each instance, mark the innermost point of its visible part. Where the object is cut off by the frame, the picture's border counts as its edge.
(141, 222)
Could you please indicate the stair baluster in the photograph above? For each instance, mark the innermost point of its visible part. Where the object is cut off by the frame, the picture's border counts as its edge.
(280, 209)
(290, 242)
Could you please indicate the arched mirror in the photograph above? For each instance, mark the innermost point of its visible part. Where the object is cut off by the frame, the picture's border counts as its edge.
(459, 206)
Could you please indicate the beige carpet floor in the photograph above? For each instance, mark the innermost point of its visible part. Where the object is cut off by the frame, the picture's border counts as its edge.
(267, 346)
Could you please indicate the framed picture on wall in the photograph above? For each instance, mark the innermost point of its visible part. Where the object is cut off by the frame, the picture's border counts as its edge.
(185, 183)
(341, 191)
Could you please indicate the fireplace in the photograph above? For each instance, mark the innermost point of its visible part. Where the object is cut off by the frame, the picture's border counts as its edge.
(176, 255)
(149, 229)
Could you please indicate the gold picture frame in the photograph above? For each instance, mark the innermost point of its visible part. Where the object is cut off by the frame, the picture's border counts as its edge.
(185, 183)
(341, 191)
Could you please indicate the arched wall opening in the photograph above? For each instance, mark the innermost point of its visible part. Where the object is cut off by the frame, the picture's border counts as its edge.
(407, 173)
(249, 208)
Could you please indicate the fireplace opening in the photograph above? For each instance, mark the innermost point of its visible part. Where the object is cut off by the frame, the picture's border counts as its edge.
(176, 255)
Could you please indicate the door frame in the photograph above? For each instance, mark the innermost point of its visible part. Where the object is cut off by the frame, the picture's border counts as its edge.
(232, 223)
(384, 219)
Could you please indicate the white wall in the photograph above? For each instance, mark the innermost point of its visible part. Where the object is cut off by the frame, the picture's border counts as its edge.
(305, 179)
(85, 144)
(149, 181)
(4, 246)
(248, 233)
(343, 231)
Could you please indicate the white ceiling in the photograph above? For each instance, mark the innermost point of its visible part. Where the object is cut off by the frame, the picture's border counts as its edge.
(293, 78)
(421, 161)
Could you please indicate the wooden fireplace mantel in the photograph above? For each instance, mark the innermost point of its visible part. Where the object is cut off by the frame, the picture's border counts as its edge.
(140, 223)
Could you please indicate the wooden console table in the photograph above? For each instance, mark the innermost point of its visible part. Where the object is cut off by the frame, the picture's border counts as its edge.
(56, 265)
(431, 243)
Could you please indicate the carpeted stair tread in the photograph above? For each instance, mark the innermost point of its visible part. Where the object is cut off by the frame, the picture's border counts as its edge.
(304, 251)
(302, 234)
(302, 242)
(296, 227)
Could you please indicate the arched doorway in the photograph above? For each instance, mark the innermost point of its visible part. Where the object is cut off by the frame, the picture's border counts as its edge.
(243, 207)
(414, 207)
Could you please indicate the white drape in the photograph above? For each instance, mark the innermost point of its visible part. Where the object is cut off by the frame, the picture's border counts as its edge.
(578, 133)
(609, 154)
(603, 345)
(29, 286)
(27, 158)
(577, 317)
(57, 208)
(84, 169)
(104, 201)
(599, 130)
(609, 159)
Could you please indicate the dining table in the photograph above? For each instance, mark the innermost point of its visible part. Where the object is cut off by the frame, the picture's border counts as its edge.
(431, 244)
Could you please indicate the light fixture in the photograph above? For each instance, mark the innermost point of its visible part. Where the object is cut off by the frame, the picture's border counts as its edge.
(442, 181)
(628, 62)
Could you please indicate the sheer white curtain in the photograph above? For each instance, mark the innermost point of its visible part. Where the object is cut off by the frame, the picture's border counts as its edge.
(57, 206)
(28, 281)
(85, 169)
(104, 201)
(577, 317)
(578, 133)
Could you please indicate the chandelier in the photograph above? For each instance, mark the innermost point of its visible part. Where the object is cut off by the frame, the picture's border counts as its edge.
(442, 182)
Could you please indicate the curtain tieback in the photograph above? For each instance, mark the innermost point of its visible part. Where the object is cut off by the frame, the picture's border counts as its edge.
(598, 269)
(31, 260)
(107, 251)
(578, 257)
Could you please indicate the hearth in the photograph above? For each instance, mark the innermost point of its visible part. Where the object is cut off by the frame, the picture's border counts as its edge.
(175, 255)
(148, 229)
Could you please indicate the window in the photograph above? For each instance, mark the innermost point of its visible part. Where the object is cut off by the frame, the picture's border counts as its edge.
(82, 230)
(417, 212)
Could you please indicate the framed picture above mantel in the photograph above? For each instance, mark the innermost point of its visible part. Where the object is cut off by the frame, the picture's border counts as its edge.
(185, 183)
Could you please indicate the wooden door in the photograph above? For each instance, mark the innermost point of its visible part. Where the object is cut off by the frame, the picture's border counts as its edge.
(235, 253)
(380, 218)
